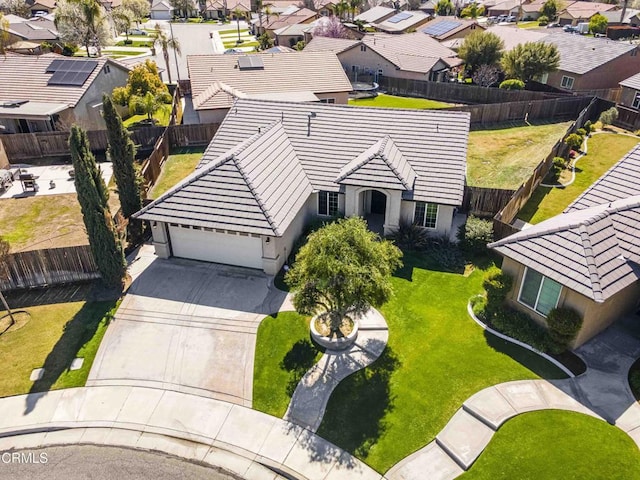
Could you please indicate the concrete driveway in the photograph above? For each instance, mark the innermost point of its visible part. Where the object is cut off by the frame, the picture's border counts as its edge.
(188, 326)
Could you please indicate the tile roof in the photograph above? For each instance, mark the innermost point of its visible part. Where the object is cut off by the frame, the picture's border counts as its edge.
(514, 36)
(375, 14)
(316, 72)
(434, 142)
(443, 27)
(382, 165)
(505, 5)
(33, 31)
(412, 20)
(299, 16)
(24, 77)
(632, 82)
(327, 44)
(619, 182)
(534, 6)
(256, 187)
(614, 16)
(579, 54)
(593, 251)
(588, 9)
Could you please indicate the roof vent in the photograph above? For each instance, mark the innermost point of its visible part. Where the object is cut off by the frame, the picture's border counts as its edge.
(250, 62)
(14, 103)
(310, 115)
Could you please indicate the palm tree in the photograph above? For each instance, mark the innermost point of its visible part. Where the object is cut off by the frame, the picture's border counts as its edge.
(238, 14)
(354, 5)
(149, 104)
(163, 41)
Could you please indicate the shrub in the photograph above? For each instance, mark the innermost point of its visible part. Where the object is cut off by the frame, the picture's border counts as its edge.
(445, 253)
(475, 234)
(588, 126)
(520, 326)
(410, 237)
(573, 154)
(543, 21)
(582, 132)
(608, 116)
(512, 84)
(573, 141)
(497, 284)
(560, 163)
(479, 305)
(564, 324)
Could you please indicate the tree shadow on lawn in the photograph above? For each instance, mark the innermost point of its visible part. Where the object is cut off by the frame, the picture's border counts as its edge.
(531, 207)
(77, 332)
(298, 361)
(426, 261)
(354, 418)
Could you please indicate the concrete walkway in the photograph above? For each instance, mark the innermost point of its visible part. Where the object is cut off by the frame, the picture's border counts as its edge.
(310, 398)
(218, 433)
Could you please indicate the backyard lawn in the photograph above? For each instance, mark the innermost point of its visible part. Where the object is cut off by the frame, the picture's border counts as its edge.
(555, 444)
(161, 116)
(505, 157)
(604, 150)
(436, 358)
(55, 335)
(178, 166)
(392, 101)
(46, 221)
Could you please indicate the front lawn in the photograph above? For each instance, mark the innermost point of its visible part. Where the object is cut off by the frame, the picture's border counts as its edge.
(46, 221)
(178, 166)
(505, 157)
(161, 117)
(136, 43)
(604, 151)
(281, 362)
(392, 101)
(555, 444)
(55, 335)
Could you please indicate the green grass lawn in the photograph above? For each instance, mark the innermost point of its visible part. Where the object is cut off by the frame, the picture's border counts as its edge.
(435, 359)
(179, 165)
(281, 362)
(243, 31)
(506, 157)
(553, 444)
(53, 337)
(135, 43)
(604, 150)
(162, 117)
(122, 53)
(234, 44)
(392, 101)
(527, 25)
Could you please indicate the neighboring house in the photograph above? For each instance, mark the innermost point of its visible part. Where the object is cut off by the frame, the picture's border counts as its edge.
(413, 56)
(531, 11)
(628, 17)
(290, 35)
(375, 15)
(217, 9)
(513, 36)
(161, 10)
(43, 6)
(403, 22)
(587, 258)
(448, 28)
(429, 7)
(34, 30)
(325, 7)
(217, 80)
(579, 12)
(588, 63)
(274, 167)
(630, 95)
(273, 23)
(41, 93)
(507, 7)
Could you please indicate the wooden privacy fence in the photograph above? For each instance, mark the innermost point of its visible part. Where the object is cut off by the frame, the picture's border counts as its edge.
(502, 226)
(486, 202)
(39, 268)
(4, 160)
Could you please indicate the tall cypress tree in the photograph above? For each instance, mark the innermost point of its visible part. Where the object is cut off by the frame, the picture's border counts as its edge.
(92, 196)
(122, 152)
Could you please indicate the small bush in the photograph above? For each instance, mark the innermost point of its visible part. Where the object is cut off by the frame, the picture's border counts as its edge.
(475, 234)
(497, 284)
(445, 253)
(479, 305)
(520, 326)
(543, 21)
(410, 237)
(564, 324)
(608, 116)
(560, 163)
(582, 132)
(512, 84)
(574, 141)
(588, 126)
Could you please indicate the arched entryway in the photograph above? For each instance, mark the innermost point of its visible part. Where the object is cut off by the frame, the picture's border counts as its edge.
(373, 208)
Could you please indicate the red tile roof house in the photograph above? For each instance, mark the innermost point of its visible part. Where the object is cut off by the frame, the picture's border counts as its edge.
(591, 63)
(273, 167)
(587, 258)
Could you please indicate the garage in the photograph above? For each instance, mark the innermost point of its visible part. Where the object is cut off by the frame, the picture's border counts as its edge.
(240, 250)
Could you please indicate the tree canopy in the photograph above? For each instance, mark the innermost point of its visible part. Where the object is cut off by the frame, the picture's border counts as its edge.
(550, 9)
(529, 60)
(445, 7)
(140, 8)
(481, 48)
(473, 10)
(343, 270)
(330, 27)
(143, 78)
(598, 23)
(82, 22)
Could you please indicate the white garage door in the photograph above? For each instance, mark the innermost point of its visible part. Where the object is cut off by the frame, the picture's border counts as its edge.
(216, 247)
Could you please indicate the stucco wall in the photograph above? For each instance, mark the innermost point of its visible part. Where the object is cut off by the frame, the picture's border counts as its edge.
(87, 111)
(373, 61)
(627, 96)
(212, 116)
(341, 98)
(595, 316)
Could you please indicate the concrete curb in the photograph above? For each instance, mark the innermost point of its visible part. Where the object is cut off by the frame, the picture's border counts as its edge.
(518, 342)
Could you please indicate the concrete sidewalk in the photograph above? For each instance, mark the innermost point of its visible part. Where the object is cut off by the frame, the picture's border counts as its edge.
(233, 437)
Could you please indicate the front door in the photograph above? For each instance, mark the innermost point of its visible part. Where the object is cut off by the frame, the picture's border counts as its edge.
(378, 202)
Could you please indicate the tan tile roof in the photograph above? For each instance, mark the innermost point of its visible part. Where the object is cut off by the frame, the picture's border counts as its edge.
(24, 77)
(375, 14)
(317, 72)
(300, 16)
(417, 18)
(588, 9)
(513, 36)
(456, 25)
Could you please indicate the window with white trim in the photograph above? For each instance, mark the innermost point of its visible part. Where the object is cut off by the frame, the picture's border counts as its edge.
(567, 82)
(636, 101)
(328, 203)
(363, 48)
(426, 215)
(538, 292)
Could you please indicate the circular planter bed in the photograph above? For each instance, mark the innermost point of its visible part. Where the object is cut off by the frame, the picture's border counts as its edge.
(333, 343)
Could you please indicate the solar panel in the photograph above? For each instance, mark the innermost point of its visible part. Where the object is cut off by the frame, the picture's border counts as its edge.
(250, 62)
(53, 66)
(399, 17)
(70, 72)
(441, 28)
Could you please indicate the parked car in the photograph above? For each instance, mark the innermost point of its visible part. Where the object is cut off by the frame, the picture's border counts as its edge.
(510, 18)
(554, 25)
(569, 29)
(137, 31)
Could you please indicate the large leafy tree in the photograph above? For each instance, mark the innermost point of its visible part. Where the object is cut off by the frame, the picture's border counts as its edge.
(143, 78)
(473, 10)
(529, 60)
(330, 27)
(4, 34)
(598, 24)
(480, 48)
(93, 197)
(343, 270)
(445, 7)
(82, 22)
(19, 8)
(165, 42)
(140, 9)
(122, 153)
(148, 104)
(550, 9)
